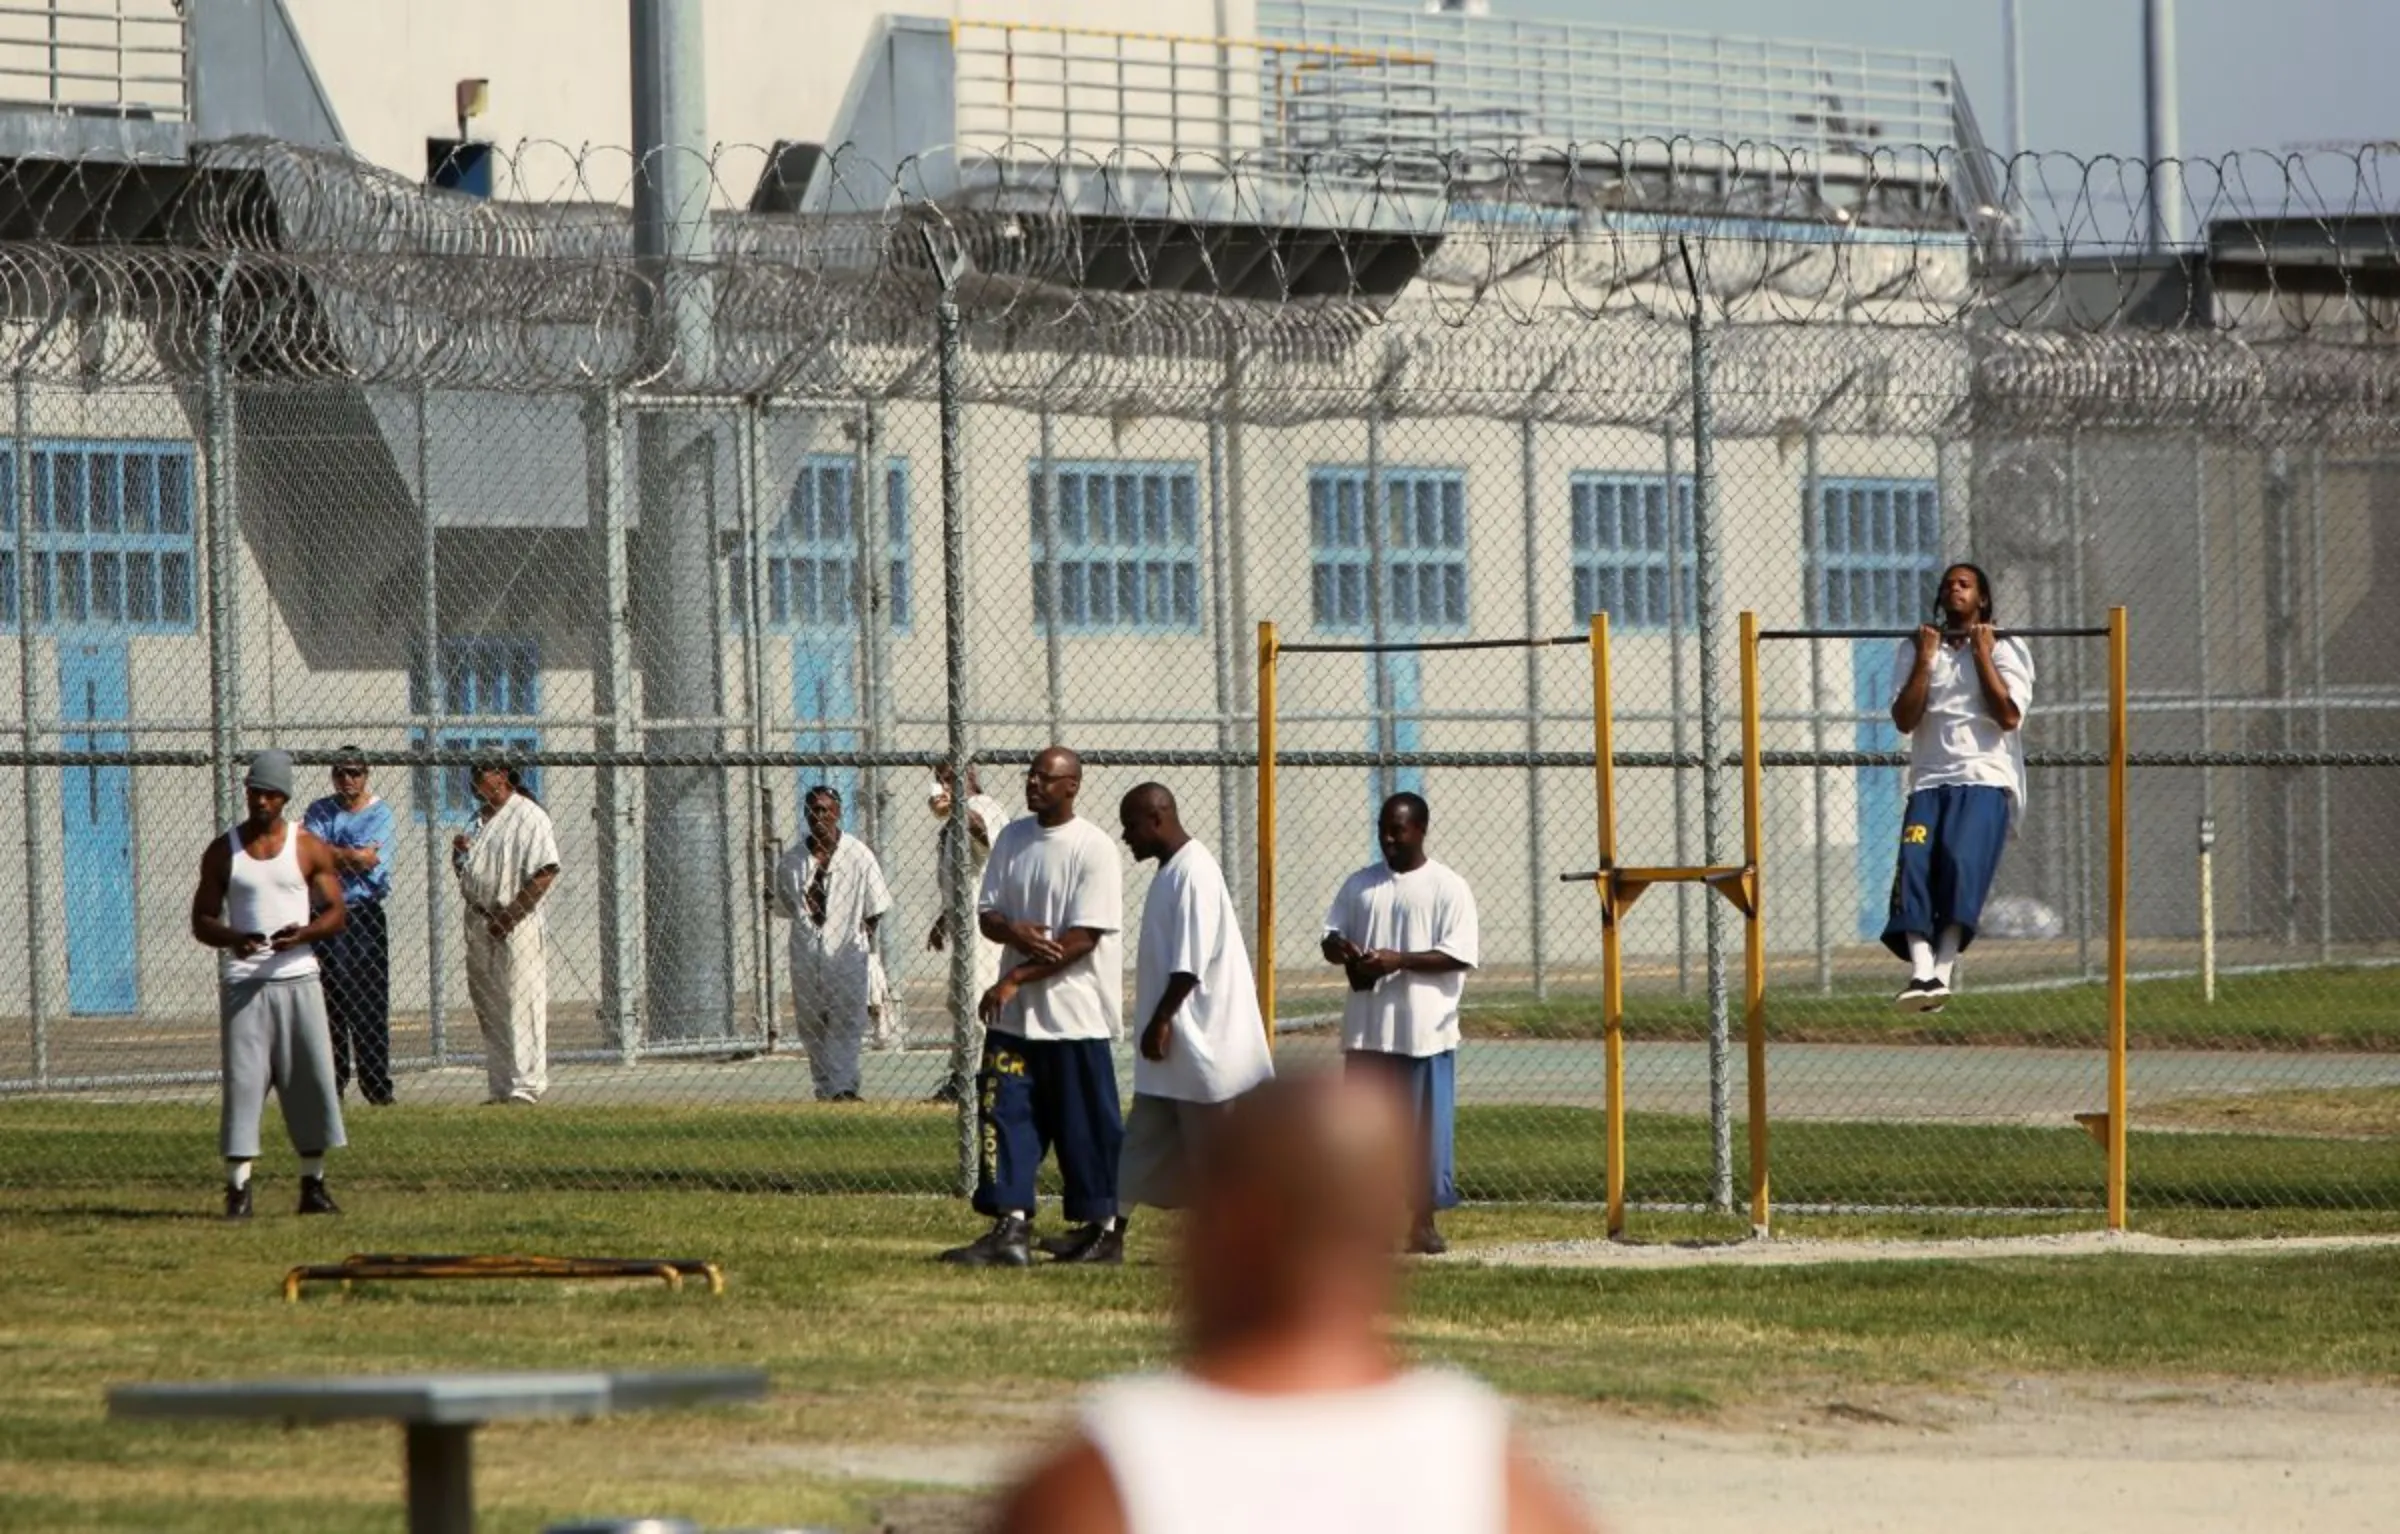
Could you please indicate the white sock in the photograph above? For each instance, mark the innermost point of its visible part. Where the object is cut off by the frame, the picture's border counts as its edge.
(1014, 1214)
(312, 1166)
(237, 1174)
(1945, 957)
(1111, 1223)
(1920, 957)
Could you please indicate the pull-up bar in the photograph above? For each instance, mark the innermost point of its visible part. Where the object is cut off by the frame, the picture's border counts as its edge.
(1416, 647)
(1950, 634)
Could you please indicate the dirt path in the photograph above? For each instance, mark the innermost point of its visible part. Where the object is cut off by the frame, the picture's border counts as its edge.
(2036, 1456)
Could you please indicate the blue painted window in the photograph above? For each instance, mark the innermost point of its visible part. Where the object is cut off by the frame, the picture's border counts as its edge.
(1425, 549)
(491, 691)
(1876, 550)
(111, 541)
(811, 551)
(1633, 558)
(1128, 546)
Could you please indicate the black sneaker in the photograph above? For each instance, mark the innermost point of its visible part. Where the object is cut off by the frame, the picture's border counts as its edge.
(1922, 996)
(1063, 1246)
(1425, 1241)
(1008, 1244)
(237, 1202)
(313, 1197)
(1104, 1249)
(948, 1092)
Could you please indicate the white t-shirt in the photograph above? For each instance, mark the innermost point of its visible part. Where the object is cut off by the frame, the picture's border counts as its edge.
(1059, 877)
(1429, 907)
(1190, 927)
(1958, 741)
(1426, 1451)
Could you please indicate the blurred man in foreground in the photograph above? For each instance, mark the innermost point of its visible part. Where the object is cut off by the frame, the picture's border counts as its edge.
(1292, 1410)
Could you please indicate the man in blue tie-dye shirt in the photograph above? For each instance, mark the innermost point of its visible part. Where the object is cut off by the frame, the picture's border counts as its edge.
(356, 827)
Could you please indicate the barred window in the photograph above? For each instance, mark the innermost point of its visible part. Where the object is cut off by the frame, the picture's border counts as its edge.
(1876, 550)
(809, 562)
(1633, 559)
(1128, 546)
(110, 544)
(1424, 549)
(491, 692)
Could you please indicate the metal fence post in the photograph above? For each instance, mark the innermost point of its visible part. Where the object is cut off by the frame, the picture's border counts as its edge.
(224, 545)
(1812, 523)
(1706, 562)
(879, 625)
(1220, 617)
(1537, 878)
(37, 953)
(1679, 618)
(1379, 673)
(1053, 656)
(615, 812)
(948, 263)
(2324, 740)
(749, 510)
(429, 660)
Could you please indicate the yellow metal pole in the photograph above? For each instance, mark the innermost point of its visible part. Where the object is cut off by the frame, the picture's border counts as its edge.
(2118, 692)
(1612, 954)
(1267, 651)
(1754, 933)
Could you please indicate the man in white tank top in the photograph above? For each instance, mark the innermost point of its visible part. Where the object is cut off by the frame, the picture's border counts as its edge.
(268, 891)
(1292, 1411)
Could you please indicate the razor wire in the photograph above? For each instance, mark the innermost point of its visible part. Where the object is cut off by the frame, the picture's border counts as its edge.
(394, 469)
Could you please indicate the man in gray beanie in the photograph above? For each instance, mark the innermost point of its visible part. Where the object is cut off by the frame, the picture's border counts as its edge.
(268, 891)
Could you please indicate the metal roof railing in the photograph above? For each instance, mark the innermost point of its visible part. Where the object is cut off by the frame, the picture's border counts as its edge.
(101, 58)
(1077, 92)
(1512, 85)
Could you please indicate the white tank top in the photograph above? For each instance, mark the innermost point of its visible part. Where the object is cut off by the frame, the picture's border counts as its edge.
(1427, 1451)
(267, 895)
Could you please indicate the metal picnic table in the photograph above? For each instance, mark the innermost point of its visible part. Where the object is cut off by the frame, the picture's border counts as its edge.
(438, 1414)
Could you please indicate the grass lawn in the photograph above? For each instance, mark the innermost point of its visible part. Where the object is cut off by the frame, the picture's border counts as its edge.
(2305, 1009)
(2300, 1179)
(869, 1342)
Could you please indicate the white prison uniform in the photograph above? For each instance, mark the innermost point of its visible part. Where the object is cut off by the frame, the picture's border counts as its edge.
(266, 895)
(994, 816)
(1426, 909)
(1061, 877)
(1425, 1453)
(1958, 742)
(508, 979)
(1190, 927)
(831, 965)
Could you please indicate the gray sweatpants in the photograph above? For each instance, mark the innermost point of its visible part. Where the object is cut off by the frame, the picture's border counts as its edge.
(271, 1033)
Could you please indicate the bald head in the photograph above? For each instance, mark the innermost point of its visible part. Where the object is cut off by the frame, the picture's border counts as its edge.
(1052, 783)
(1302, 1201)
(1152, 825)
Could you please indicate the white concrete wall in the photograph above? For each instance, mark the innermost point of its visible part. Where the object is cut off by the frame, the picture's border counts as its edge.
(559, 75)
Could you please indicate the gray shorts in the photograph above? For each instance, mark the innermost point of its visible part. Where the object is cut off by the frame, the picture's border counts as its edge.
(1165, 1138)
(271, 1033)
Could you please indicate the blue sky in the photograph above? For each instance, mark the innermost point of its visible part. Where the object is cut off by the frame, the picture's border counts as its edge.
(2255, 74)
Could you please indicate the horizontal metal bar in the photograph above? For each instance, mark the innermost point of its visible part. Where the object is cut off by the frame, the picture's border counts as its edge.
(1136, 756)
(1659, 875)
(2006, 633)
(1403, 647)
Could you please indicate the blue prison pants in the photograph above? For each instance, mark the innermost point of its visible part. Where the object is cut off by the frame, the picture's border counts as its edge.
(1429, 1085)
(1950, 841)
(1039, 1094)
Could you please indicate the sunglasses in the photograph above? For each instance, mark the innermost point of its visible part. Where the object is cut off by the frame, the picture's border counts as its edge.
(349, 772)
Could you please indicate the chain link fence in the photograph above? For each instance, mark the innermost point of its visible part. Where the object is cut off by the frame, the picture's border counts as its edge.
(359, 466)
